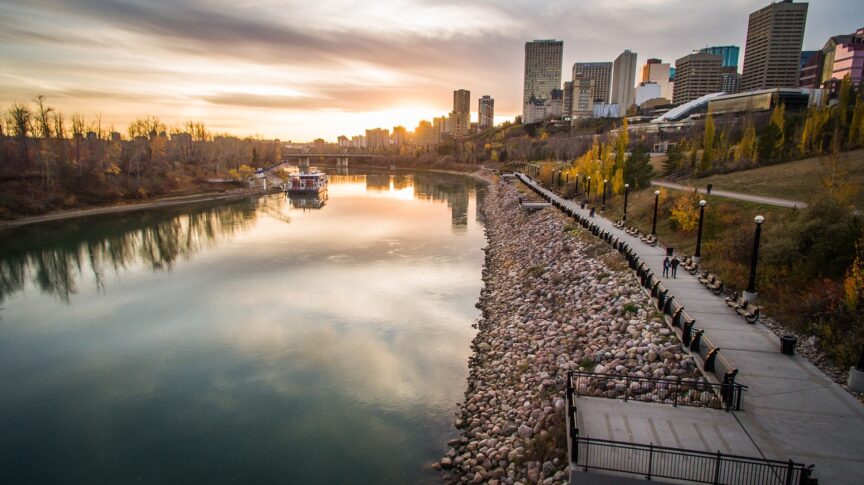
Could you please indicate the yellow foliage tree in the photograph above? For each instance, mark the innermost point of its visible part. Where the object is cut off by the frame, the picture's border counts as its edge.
(708, 143)
(685, 211)
(778, 119)
(746, 148)
(835, 177)
(618, 181)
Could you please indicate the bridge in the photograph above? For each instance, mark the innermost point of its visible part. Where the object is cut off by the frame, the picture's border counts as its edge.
(341, 158)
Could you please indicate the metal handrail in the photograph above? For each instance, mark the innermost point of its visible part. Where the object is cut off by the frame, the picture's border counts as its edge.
(653, 461)
(692, 338)
(669, 390)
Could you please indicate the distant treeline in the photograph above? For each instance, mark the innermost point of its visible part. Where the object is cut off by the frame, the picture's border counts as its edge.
(49, 162)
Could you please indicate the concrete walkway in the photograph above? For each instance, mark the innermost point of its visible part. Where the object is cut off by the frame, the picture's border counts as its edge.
(792, 409)
(792, 204)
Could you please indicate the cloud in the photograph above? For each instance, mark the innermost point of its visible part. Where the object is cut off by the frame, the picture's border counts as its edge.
(213, 59)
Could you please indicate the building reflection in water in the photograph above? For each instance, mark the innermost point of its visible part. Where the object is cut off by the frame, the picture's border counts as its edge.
(54, 256)
(455, 191)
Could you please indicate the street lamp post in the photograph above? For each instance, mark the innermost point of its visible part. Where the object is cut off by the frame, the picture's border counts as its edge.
(750, 293)
(605, 184)
(626, 192)
(588, 190)
(656, 203)
(697, 256)
(576, 179)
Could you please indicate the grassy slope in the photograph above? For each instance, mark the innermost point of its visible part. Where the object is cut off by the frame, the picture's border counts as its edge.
(799, 180)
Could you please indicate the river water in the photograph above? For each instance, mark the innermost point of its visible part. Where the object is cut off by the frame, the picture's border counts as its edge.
(266, 340)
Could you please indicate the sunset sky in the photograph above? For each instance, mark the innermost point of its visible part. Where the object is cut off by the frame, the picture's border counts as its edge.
(300, 70)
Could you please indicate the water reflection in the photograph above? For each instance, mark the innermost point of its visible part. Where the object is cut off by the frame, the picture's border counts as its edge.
(53, 256)
(250, 342)
(308, 201)
(56, 256)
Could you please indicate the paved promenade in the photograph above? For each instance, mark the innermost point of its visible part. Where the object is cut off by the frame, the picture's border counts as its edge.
(792, 409)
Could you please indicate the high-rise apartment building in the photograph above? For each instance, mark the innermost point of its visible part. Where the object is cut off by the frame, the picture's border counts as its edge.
(695, 76)
(542, 75)
(439, 128)
(377, 138)
(582, 95)
(772, 55)
(729, 53)
(730, 80)
(424, 134)
(460, 117)
(567, 103)
(399, 136)
(601, 73)
(485, 113)
(624, 80)
(462, 100)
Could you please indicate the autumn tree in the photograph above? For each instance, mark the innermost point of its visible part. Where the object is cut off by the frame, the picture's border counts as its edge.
(856, 127)
(707, 143)
(746, 149)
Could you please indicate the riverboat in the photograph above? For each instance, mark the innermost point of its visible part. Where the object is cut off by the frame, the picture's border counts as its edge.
(306, 183)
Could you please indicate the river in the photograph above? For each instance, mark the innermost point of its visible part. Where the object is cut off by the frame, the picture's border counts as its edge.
(266, 340)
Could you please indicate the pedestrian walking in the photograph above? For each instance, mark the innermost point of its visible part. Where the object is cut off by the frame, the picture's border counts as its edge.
(674, 264)
(666, 267)
(592, 212)
(710, 186)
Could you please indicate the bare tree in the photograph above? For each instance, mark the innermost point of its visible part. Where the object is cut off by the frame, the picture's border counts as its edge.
(78, 127)
(20, 117)
(43, 117)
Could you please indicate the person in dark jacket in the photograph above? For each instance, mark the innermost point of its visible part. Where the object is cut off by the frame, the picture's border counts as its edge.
(666, 267)
(674, 265)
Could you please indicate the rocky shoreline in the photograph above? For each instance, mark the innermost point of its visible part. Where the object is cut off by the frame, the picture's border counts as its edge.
(556, 299)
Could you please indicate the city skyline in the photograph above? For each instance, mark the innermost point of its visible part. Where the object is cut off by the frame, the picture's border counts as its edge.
(253, 68)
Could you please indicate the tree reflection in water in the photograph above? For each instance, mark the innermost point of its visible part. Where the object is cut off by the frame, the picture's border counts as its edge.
(54, 256)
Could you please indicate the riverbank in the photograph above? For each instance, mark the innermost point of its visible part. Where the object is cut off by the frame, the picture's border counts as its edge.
(555, 299)
(116, 209)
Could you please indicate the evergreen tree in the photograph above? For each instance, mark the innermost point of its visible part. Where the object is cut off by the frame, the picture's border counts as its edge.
(639, 172)
(674, 157)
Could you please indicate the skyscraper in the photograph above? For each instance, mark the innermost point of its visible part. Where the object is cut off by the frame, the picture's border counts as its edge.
(624, 80)
(460, 117)
(729, 53)
(695, 76)
(462, 101)
(485, 113)
(601, 73)
(772, 55)
(542, 75)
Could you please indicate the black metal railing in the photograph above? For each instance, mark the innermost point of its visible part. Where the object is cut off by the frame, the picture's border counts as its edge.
(693, 338)
(669, 390)
(652, 461)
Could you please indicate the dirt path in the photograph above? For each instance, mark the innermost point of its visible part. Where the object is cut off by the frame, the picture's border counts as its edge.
(759, 199)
